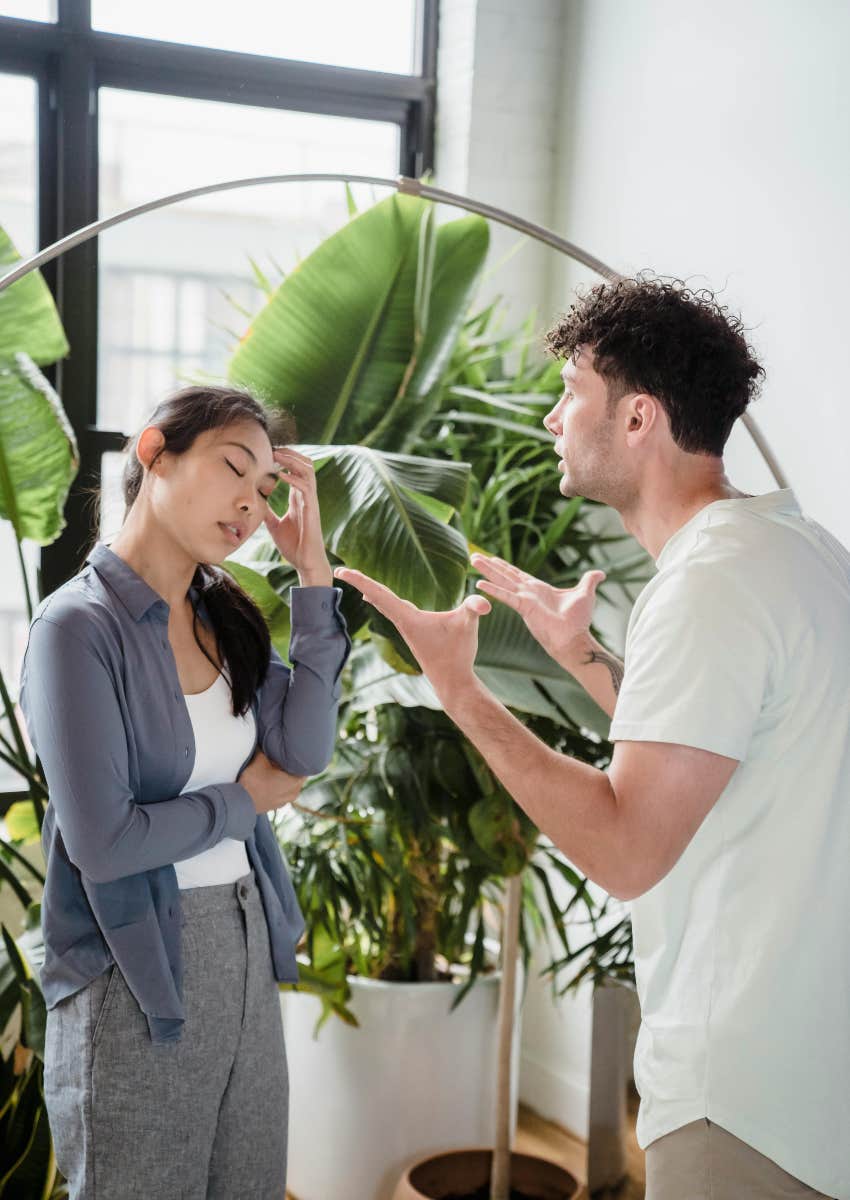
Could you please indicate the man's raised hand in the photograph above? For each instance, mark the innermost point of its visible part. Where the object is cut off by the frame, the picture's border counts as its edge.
(443, 643)
(558, 618)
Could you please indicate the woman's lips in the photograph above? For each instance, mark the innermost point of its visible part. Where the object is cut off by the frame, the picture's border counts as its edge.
(229, 533)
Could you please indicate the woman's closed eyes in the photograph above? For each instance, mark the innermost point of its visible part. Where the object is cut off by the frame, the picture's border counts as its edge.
(241, 474)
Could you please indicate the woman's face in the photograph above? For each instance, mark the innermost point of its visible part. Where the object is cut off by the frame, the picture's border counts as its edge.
(223, 480)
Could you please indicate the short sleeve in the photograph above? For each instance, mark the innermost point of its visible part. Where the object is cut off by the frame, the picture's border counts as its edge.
(699, 662)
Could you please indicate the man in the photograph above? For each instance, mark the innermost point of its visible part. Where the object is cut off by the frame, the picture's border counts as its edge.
(724, 816)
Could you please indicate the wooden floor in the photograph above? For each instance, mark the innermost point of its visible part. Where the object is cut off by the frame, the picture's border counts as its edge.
(544, 1138)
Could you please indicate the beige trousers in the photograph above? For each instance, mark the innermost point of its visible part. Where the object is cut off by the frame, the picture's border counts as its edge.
(702, 1161)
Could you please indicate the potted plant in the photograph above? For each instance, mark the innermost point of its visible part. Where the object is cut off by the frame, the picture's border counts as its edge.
(467, 429)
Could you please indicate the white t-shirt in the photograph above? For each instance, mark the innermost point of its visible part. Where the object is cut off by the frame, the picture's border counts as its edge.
(741, 645)
(222, 743)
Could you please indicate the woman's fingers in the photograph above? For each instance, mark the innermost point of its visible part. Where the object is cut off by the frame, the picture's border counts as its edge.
(294, 463)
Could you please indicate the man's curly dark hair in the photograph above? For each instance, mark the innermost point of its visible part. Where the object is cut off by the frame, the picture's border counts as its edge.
(676, 344)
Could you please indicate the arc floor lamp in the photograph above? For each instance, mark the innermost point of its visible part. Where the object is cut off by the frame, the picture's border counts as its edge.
(404, 184)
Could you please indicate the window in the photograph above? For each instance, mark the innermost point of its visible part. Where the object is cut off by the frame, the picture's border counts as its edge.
(375, 35)
(138, 102)
(176, 284)
(18, 177)
(30, 10)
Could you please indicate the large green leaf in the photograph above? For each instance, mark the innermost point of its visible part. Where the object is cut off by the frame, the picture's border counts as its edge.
(38, 452)
(460, 248)
(518, 670)
(360, 332)
(275, 612)
(29, 322)
(373, 521)
(314, 343)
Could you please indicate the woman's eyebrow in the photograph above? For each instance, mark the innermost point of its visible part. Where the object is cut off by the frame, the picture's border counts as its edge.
(271, 474)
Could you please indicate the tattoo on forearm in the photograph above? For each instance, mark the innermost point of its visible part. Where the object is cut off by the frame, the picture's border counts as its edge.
(612, 663)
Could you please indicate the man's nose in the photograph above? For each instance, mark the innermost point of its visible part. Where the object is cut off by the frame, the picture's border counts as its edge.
(551, 422)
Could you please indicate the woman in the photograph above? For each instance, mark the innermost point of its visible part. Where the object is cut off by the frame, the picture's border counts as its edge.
(168, 726)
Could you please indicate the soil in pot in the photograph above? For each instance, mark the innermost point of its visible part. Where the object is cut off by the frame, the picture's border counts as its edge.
(465, 1175)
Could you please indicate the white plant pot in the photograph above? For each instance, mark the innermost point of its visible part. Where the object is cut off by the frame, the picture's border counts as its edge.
(412, 1080)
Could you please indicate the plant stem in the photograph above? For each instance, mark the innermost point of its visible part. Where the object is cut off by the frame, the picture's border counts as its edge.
(9, 709)
(500, 1179)
(27, 595)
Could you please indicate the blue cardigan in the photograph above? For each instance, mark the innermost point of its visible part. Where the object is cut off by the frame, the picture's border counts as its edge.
(105, 713)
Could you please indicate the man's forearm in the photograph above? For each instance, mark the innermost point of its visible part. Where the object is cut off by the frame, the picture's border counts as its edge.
(598, 671)
(570, 801)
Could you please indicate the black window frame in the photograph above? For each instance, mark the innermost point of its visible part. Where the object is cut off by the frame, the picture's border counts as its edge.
(70, 61)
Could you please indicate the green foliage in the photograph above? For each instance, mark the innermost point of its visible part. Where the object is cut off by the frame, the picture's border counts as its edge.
(400, 850)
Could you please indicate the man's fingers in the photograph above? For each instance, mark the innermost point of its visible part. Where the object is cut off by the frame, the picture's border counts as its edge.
(478, 605)
(493, 567)
(499, 593)
(377, 594)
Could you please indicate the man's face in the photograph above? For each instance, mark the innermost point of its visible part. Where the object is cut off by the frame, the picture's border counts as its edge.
(585, 435)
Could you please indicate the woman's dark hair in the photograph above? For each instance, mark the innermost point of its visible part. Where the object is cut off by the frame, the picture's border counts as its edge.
(240, 630)
(676, 344)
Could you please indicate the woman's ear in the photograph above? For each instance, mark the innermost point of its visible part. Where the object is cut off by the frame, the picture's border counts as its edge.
(149, 442)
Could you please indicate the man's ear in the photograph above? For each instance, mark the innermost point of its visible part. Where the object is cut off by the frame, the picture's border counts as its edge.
(641, 414)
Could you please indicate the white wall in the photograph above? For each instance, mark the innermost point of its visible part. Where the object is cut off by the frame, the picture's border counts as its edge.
(708, 140)
(497, 134)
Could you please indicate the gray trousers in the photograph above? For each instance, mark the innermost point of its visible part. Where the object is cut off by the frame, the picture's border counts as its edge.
(703, 1161)
(202, 1118)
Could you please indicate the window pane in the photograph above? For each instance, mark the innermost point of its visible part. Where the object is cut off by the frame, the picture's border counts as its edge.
(375, 35)
(18, 197)
(111, 499)
(32, 10)
(18, 175)
(176, 286)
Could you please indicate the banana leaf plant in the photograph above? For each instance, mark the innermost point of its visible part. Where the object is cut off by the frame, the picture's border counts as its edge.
(38, 462)
(427, 443)
(408, 842)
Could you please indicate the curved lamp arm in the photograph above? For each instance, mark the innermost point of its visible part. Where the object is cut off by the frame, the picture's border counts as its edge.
(403, 184)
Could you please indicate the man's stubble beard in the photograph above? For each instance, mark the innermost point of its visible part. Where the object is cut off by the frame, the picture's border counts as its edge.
(601, 481)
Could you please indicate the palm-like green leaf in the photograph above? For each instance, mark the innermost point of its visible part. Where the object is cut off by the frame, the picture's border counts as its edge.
(360, 332)
(274, 610)
(29, 322)
(38, 452)
(518, 670)
(372, 519)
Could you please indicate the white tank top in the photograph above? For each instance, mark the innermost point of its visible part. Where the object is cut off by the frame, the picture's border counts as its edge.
(222, 743)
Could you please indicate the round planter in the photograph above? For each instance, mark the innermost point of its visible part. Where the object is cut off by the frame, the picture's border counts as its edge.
(414, 1079)
(467, 1172)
